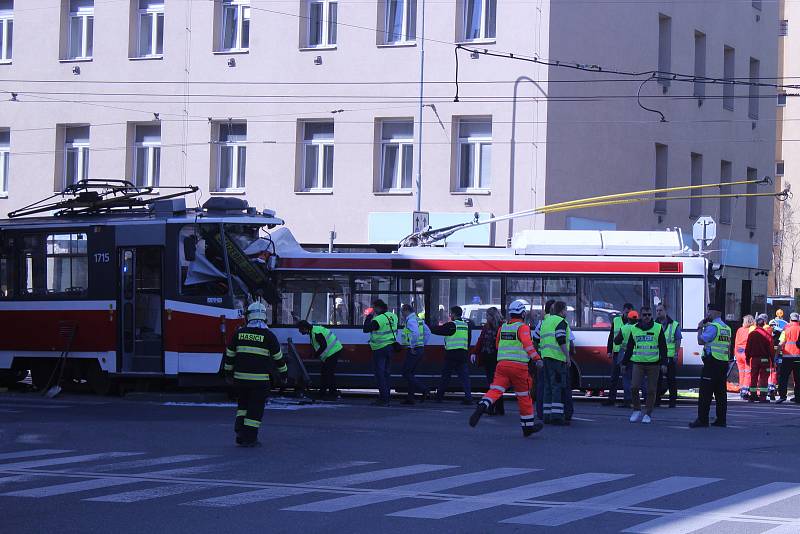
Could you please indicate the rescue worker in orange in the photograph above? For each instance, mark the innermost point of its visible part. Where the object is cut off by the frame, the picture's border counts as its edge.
(514, 350)
(760, 355)
(748, 325)
(790, 347)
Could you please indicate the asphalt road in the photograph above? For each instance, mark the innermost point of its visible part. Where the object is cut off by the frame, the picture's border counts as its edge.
(89, 464)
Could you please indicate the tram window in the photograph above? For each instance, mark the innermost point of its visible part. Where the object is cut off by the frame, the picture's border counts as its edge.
(529, 289)
(602, 299)
(318, 299)
(201, 271)
(6, 279)
(67, 263)
(393, 290)
(474, 294)
(666, 291)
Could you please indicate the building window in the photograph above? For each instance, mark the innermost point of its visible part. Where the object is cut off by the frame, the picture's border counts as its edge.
(728, 72)
(6, 30)
(757, 4)
(5, 158)
(779, 168)
(725, 176)
(781, 99)
(401, 21)
(664, 49)
(147, 155)
(235, 25)
(696, 203)
(753, 96)
(783, 28)
(750, 211)
(474, 153)
(151, 28)
(81, 29)
(317, 156)
(76, 154)
(322, 22)
(232, 156)
(480, 20)
(662, 156)
(699, 63)
(397, 155)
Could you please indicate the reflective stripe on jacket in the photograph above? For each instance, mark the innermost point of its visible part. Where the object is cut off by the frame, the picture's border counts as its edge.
(720, 345)
(550, 332)
(645, 344)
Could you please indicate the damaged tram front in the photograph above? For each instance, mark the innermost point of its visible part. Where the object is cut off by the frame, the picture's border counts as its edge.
(144, 293)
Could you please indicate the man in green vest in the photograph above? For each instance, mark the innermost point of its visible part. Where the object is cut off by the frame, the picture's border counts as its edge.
(672, 333)
(554, 350)
(646, 352)
(715, 336)
(612, 352)
(381, 325)
(457, 340)
(327, 348)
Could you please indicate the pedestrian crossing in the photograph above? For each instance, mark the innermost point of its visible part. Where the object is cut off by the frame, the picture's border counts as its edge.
(432, 492)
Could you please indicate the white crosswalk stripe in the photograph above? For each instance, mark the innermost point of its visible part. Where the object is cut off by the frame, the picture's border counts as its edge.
(341, 481)
(32, 453)
(499, 498)
(33, 464)
(408, 490)
(554, 517)
(709, 513)
(150, 462)
(150, 493)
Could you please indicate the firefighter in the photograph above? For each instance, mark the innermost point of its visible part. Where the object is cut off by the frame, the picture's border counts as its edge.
(748, 325)
(790, 338)
(327, 348)
(760, 354)
(715, 336)
(252, 356)
(514, 351)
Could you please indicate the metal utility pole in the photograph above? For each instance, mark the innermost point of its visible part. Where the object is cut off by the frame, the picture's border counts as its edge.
(421, 108)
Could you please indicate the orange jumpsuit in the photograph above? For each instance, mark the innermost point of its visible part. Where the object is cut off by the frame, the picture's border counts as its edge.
(741, 359)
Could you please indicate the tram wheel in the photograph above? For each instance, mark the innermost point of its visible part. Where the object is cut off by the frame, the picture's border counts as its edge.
(99, 381)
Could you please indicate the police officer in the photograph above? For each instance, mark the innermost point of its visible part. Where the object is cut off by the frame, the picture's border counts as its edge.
(646, 352)
(327, 348)
(252, 356)
(381, 325)
(456, 344)
(715, 336)
(673, 337)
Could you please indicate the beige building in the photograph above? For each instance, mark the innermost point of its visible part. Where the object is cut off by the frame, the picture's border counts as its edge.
(312, 108)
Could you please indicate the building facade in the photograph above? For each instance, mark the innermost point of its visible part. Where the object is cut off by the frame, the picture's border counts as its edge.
(312, 108)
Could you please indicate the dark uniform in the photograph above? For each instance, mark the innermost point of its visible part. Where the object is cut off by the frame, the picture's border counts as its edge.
(253, 355)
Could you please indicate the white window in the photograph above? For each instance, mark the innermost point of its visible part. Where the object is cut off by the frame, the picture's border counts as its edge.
(76, 154)
(232, 156)
(317, 156)
(474, 153)
(5, 157)
(81, 28)
(235, 25)
(401, 21)
(397, 154)
(322, 22)
(151, 28)
(147, 155)
(6, 30)
(480, 20)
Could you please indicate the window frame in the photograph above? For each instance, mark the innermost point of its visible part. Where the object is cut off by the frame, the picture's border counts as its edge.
(235, 147)
(87, 37)
(241, 8)
(326, 24)
(5, 164)
(154, 11)
(6, 44)
(321, 146)
(404, 38)
(483, 36)
(478, 142)
(402, 143)
(81, 149)
(152, 171)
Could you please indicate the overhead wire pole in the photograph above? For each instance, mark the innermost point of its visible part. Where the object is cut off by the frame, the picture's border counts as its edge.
(421, 108)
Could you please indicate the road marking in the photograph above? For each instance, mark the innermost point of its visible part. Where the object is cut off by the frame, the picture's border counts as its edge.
(583, 419)
(561, 515)
(408, 490)
(344, 465)
(17, 478)
(346, 480)
(499, 498)
(28, 454)
(150, 493)
(134, 464)
(788, 528)
(66, 460)
(704, 515)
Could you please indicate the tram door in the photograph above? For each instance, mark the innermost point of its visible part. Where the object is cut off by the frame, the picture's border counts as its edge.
(141, 307)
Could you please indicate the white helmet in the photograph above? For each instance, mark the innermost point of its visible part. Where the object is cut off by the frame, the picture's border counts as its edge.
(256, 312)
(518, 307)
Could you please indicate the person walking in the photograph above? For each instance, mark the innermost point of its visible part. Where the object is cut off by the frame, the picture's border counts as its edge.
(673, 337)
(251, 357)
(457, 336)
(612, 351)
(415, 339)
(554, 350)
(646, 352)
(381, 325)
(790, 348)
(327, 348)
(715, 337)
(485, 353)
(740, 342)
(514, 351)
(760, 353)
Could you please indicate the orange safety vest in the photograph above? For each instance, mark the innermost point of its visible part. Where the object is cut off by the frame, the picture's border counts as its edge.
(791, 335)
(741, 340)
